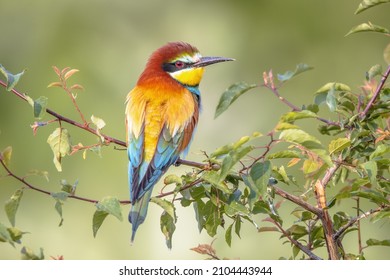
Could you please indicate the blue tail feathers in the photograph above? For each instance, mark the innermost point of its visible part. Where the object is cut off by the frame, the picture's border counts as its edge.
(138, 212)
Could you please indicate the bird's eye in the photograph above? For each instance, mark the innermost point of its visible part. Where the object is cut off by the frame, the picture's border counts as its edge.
(179, 64)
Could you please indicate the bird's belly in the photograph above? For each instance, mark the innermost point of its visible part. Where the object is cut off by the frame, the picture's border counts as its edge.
(153, 124)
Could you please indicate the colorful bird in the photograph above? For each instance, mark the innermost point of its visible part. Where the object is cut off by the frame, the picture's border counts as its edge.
(161, 115)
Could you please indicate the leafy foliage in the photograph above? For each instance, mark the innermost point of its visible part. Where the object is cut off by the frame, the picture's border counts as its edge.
(366, 4)
(231, 95)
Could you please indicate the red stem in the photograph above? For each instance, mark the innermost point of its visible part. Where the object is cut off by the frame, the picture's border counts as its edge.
(376, 94)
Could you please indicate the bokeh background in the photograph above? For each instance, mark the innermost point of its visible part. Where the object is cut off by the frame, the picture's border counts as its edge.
(109, 42)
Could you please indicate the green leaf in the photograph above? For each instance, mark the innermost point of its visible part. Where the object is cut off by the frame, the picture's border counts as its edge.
(283, 126)
(234, 146)
(261, 207)
(58, 207)
(59, 142)
(97, 150)
(5, 236)
(213, 177)
(375, 242)
(300, 68)
(165, 205)
(231, 159)
(297, 231)
(337, 86)
(16, 234)
(298, 136)
(374, 71)
(36, 172)
(11, 206)
(320, 98)
(222, 151)
(366, 4)
(296, 251)
(199, 206)
(39, 107)
(380, 151)
(228, 235)
(237, 226)
(172, 179)
(234, 208)
(213, 220)
(293, 116)
(110, 205)
(5, 155)
(313, 108)
(252, 190)
(268, 229)
(28, 254)
(331, 99)
(60, 197)
(198, 192)
(97, 220)
(67, 187)
(380, 216)
(12, 79)
(281, 175)
(285, 154)
(309, 166)
(371, 168)
(260, 173)
(168, 227)
(231, 95)
(100, 123)
(338, 145)
(368, 27)
(372, 195)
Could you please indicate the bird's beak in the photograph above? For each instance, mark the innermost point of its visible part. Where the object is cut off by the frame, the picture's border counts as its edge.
(208, 60)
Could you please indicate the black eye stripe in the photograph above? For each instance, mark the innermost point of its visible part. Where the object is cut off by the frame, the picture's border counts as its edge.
(169, 67)
(172, 67)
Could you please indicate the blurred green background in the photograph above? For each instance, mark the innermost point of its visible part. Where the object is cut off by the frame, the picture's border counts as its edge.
(109, 42)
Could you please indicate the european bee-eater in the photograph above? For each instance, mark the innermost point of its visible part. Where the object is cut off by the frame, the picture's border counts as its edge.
(161, 115)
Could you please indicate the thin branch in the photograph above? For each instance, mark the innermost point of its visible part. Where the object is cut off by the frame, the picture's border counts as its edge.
(267, 148)
(359, 229)
(60, 117)
(203, 166)
(297, 243)
(352, 221)
(295, 199)
(187, 186)
(275, 91)
(30, 186)
(376, 94)
(330, 172)
(71, 96)
(282, 99)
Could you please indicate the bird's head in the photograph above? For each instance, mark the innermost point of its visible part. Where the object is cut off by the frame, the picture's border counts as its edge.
(181, 61)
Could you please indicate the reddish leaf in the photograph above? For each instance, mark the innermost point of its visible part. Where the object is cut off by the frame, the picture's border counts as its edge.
(58, 72)
(69, 73)
(55, 84)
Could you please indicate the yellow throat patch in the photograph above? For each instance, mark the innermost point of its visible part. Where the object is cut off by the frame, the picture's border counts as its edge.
(189, 76)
